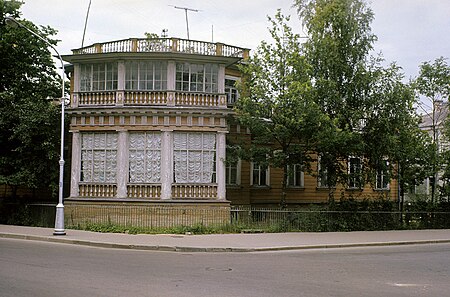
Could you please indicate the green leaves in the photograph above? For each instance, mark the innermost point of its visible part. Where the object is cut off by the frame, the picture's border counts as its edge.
(29, 122)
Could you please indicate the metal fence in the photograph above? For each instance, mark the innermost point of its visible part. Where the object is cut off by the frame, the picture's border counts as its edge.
(238, 218)
(283, 220)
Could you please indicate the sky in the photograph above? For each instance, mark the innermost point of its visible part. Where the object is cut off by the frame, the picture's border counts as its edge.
(409, 32)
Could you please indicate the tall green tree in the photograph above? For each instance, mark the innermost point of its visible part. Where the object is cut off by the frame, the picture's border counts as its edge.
(433, 88)
(337, 48)
(276, 103)
(28, 120)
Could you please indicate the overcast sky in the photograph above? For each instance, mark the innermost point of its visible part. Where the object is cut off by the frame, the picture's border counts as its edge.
(409, 31)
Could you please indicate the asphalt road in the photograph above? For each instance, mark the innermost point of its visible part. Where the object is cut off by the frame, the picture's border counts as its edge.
(29, 268)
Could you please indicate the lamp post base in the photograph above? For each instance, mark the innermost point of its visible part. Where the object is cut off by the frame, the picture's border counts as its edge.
(59, 220)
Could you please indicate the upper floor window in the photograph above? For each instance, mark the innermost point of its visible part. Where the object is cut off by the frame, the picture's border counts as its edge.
(197, 77)
(295, 176)
(231, 91)
(98, 77)
(145, 75)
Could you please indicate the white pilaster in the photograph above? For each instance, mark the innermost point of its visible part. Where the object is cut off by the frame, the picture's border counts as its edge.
(171, 71)
(166, 164)
(122, 164)
(76, 164)
(220, 165)
(121, 75)
(221, 79)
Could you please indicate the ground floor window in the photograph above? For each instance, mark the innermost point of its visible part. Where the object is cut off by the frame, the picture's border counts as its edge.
(194, 157)
(260, 175)
(145, 157)
(98, 157)
(295, 176)
(354, 173)
(382, 178)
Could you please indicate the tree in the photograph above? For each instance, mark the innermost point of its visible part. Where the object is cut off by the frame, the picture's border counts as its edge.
(28, 120)
(391, 132)
(337, 48)
(276, 103)
(433, 85)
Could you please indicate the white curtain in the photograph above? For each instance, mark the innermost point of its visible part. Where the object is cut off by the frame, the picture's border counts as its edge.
(194, 157)
(145, 157)
(99, 157)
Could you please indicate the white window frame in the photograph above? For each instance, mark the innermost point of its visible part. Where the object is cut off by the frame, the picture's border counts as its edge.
(293, 176)
(255, 167)
(99, 77)
(146, 75)
(382, 176)
(231, 91)
(354, 178)
(229, 168)
(196, 77)
(321, 175)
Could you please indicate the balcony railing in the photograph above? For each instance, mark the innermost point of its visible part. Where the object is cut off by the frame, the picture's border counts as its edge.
(158, 45)
(147, 98)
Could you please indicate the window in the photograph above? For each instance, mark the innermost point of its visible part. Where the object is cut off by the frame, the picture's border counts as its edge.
(295, 176)
(354, 173)
(323, 175)
(194, 157)
(382, 178)
(98, 157)
(232, 173)
(197, 77)
(260, 175)
(145, 75)
(231, 91)
(98, 77)
(145, 157)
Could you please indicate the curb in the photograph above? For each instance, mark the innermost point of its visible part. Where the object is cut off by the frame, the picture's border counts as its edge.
(184, 249)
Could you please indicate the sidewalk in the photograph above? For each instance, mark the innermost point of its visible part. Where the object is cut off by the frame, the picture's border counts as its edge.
(229, 242)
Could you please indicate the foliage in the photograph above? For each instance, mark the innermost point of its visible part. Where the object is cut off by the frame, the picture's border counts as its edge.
(276, 102)
(28, 121)
(433, 86)
(339, 40)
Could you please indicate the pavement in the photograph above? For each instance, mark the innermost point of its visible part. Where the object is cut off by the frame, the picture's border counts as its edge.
(229, 242)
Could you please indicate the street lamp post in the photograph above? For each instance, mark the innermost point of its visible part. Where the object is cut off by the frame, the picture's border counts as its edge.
(59, 220)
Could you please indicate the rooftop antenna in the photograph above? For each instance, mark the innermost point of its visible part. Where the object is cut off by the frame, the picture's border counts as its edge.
(186, 13)
(85, 23)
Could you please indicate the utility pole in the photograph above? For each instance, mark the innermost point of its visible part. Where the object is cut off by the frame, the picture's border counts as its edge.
(186, 13)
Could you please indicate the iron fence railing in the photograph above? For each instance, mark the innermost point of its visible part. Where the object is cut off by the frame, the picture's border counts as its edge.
(238, 218)
(270, 219)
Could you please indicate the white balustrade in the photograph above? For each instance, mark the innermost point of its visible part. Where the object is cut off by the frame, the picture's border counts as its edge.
(146, 191)
(163, 45)
(97, 98)
(191, 191)
(145, 98)
(97, 190)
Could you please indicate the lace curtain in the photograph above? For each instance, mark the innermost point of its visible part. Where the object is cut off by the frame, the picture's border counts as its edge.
(194, 157)
(99, 157)
(145, 158)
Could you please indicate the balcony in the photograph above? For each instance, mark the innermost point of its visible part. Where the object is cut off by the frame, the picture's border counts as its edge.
(165, 45)
(147, 98)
